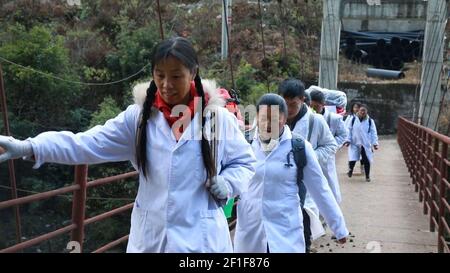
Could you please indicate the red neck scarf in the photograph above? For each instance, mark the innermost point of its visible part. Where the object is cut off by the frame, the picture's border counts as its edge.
(184, 118)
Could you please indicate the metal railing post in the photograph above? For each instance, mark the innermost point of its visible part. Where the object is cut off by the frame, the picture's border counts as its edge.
(434, 181)
(426, 182)
(79, 204)
(442, 195)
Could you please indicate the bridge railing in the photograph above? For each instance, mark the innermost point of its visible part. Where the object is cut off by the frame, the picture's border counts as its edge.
(77, 227)
(427, 157)
(79, 222)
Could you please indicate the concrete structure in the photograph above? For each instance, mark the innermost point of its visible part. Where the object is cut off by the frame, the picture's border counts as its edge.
(390, 16)
(386, 102)
(329, 45)
(225, 21)
(357, 15)
(433, 57)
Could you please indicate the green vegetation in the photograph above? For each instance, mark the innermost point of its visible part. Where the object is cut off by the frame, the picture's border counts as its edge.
(108, 40)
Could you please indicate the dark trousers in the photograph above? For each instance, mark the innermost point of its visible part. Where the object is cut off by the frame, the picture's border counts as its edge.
(365, 161)
(306, 230)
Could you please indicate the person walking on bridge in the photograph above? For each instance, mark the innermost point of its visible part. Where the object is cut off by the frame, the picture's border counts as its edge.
(338, 130)
(183, 178)
(269, 217)
(362, 140)
(354, 108)
(314, 129)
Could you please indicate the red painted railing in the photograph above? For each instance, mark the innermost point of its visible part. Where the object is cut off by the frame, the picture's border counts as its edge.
(427, 157)
(77, 227)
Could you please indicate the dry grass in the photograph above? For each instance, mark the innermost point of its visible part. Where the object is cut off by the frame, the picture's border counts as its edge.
(354, 72)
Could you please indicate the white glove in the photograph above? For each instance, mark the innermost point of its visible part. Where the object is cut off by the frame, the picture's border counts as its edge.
(11, 148)
(219, 188)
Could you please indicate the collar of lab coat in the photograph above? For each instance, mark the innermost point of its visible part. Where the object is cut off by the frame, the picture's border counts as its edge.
(361, 121)
(287, 135)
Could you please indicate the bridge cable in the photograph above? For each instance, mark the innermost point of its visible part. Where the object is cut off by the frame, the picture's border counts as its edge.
(70, 81)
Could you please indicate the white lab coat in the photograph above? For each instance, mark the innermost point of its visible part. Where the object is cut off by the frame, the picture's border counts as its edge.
(325, 147)
(173, 212)
(321, 140)
(359, 136)
(269, 212)
(339, 131)
(347, 125)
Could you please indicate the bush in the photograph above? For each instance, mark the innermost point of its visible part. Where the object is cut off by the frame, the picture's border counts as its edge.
(134, 50)
(32, 96)
(108, 110)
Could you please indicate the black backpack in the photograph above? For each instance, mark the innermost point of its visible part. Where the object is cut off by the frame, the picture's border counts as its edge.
(298, 150)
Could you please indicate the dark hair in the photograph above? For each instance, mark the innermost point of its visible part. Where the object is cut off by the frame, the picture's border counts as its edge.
(355, 103)
(362, 105)
(181, 49)
(291, 88)
(273, 100)
(307, 99)
(317, 96)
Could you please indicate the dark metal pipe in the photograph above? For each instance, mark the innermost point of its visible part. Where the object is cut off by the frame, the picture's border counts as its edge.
(384, 74)
(386, 63)
(397, 64)
(396, 41)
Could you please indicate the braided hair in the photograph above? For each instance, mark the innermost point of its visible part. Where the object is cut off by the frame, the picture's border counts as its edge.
(181, 49)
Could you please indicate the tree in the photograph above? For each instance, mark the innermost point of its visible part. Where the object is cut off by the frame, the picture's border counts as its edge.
(134, 50)
(108, 109)
(38, 103)
(33, 97)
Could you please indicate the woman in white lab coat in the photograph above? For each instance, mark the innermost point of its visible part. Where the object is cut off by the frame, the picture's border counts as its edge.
(182, 183)
(268, 214)
(354, 108)
(362, 139)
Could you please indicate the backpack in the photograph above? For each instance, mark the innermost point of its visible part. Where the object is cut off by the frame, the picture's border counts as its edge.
(298, 150)
(370, 123)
